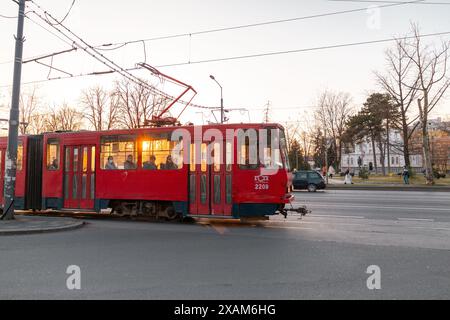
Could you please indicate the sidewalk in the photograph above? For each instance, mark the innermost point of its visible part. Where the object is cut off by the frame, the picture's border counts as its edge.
(29, 225)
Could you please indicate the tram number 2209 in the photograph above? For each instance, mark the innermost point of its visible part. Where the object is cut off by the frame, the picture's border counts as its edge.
(262, 183)
(259, 186)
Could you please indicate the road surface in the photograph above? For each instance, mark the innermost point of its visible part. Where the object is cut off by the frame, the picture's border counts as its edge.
(323, 256)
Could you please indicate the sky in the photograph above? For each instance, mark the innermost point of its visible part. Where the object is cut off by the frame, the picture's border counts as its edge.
(291, 82)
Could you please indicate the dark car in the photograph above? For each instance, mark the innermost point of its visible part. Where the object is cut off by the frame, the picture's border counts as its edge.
(308, 180)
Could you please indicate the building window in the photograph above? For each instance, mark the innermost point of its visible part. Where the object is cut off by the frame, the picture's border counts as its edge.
(53, 155)
(160, 153)
(118, 153)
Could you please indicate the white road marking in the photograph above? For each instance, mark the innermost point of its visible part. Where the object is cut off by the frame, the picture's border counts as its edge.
(412, 219)
(286, 227)
(334, 216)
(335, 206)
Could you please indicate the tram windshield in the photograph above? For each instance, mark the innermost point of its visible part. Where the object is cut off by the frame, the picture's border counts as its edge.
(284, 150)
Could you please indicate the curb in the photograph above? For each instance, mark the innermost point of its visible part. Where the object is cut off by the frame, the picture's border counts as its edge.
(14, 232)
(389, 188)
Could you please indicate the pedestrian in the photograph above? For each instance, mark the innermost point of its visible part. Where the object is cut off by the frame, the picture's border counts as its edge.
(348, 177)
(405, 175)
(331, 171)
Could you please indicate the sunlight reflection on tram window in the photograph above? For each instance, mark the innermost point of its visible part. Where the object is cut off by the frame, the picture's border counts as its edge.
(146, 146)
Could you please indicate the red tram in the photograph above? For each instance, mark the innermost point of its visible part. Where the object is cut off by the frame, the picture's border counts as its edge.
(204, 172)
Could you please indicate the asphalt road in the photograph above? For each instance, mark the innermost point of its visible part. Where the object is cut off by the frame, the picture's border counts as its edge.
(322, 256)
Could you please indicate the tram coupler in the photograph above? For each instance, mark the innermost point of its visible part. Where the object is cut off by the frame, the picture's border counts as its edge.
(303, 211)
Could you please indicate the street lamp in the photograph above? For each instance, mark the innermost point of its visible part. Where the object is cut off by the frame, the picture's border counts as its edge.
(222, 118)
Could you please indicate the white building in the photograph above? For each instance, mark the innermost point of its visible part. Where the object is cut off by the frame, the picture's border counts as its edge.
(363, 153)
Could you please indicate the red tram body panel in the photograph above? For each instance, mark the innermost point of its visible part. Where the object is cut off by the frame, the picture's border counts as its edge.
(206, 171)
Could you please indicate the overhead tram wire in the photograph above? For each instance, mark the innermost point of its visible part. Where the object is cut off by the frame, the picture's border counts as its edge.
(68, 12)
(83, 45)
(265, 54)
(118, 45)
(203, 61)
(380, 1)
(100, 57)
(247, 56)
(7, 17)
(252, 25)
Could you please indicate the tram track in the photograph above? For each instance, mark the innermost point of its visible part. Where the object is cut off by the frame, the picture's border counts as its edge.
(205, 222)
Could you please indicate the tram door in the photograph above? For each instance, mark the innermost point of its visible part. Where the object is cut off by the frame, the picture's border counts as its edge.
(2, 173)
(79, 177)
(210, 179)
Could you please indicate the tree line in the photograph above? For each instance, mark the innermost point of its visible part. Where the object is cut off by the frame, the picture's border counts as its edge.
(412, 85)
(127, 105)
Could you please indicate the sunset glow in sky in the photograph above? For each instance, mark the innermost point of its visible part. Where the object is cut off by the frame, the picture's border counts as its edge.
(291, 82)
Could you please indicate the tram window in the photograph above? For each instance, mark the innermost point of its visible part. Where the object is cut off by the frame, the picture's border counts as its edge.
(92, 159)
(270, 146)
(160, 153)
(229, 157)
(53, 155)
(248, 150)
(217, 156)
(118, 153)
(284, 152)
(67, 160)
(204, 157)
(76, 159)
(20, 157)
(85, 159)
(192, 161)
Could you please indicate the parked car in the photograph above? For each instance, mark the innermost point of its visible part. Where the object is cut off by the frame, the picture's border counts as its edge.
(308, 180)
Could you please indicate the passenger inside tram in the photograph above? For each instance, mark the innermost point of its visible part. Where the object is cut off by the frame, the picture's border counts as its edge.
(169, 165)
(151, 164)
(129, 164)
(110, 165)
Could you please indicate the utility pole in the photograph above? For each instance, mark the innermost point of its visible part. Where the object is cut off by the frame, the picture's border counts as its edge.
(11, 154)
(222, 110)
(266, 112)
(326, 156)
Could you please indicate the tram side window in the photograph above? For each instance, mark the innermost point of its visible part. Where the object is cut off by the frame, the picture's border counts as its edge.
(53, 158)
(20, 156)
(160, 153)
(118, 153)
(270, 148)
(248, 150)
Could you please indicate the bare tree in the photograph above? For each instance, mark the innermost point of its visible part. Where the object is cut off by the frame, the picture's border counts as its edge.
(65, 118)
(306, 136)
(333, 112)
(28, 106)
(137, 104)
(400, 71)
(291, 131)
(430, 65)
(100, 108)
(38, 124)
